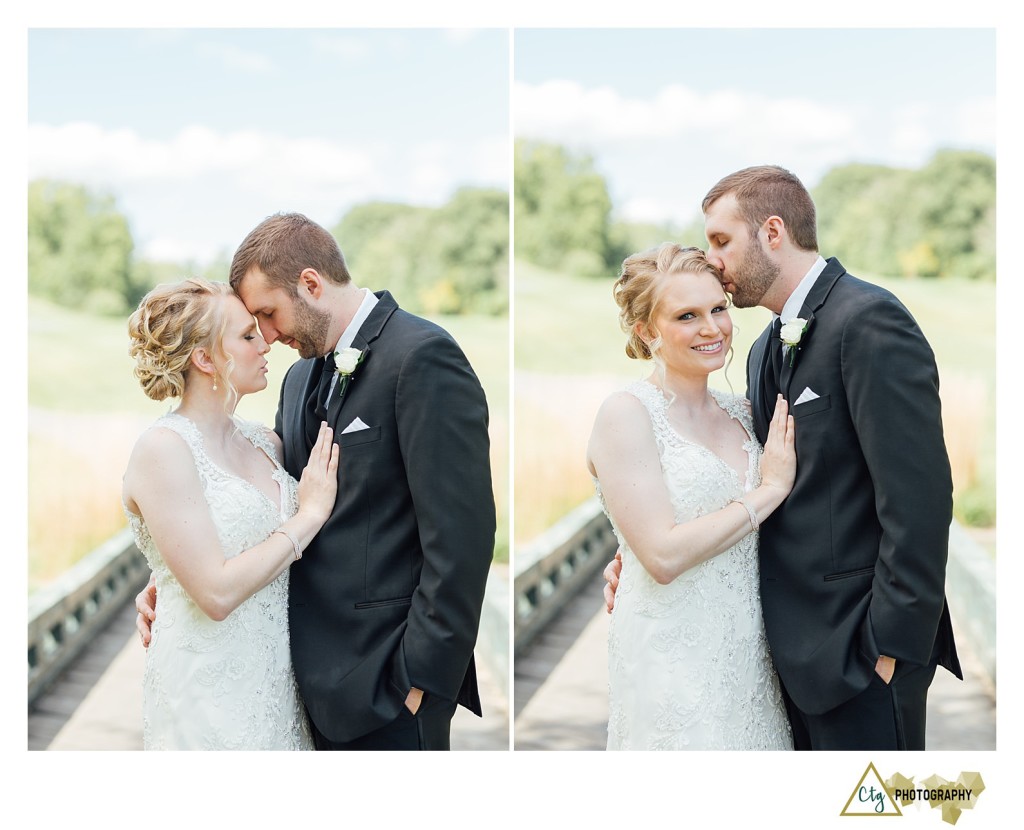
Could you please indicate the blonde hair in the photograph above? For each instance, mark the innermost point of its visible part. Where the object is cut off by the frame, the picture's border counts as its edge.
(171, 322)
(637, 291)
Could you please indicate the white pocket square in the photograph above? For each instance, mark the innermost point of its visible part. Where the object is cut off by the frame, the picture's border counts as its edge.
(355, 426)
(807, 395)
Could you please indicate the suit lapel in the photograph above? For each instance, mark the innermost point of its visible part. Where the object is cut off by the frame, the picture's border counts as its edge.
(815, 300)
(368, 332)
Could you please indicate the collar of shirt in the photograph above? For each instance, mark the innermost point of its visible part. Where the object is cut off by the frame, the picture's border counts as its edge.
(347, 336)
(796, 300)
(365, 307)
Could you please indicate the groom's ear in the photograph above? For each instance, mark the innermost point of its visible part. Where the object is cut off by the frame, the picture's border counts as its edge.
(311, 283)
(775, 230)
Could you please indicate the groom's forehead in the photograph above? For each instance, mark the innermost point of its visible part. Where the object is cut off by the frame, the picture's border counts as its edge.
(256, 292)
(720, 214)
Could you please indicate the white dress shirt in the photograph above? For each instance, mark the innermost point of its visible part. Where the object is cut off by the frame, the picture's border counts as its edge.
(347, 336)
(796, 300)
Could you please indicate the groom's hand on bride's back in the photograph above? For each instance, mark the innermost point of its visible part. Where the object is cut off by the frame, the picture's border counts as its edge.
(145, 604)
(611, 577)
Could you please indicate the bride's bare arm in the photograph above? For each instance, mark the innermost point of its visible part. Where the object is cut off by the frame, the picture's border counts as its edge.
(162, 484)
(624, 456)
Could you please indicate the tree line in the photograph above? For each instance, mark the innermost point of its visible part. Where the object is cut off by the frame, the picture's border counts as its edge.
(452, 259)
(936, 221)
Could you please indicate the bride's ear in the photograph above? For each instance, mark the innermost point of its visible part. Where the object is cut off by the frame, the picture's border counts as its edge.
(640, 330)
(202, 360)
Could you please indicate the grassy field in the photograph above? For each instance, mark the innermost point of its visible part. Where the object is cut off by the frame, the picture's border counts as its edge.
(86, 410)
(569, 357)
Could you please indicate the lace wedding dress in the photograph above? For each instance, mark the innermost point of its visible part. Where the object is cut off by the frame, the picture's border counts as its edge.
(688, 662)
(229, 684)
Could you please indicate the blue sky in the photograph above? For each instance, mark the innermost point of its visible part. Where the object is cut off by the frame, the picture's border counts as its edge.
(665, 113)
(201, 133)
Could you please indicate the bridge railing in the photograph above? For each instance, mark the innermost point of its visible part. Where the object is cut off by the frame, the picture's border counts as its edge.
(553, 567)
(64, 616)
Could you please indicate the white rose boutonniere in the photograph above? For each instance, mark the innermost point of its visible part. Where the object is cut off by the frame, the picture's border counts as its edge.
(346, 360)
(791, 334)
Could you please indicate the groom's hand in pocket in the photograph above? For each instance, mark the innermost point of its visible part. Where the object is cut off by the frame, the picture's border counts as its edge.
(611, 577)
(145, 604)
(413, 700)
(885, 667)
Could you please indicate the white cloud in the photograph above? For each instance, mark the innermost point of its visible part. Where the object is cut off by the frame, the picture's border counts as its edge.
(234, 57)
(94, 155)
(346, 47)
(182, 194)
(568, 112)
(460, 35)
(977, 122)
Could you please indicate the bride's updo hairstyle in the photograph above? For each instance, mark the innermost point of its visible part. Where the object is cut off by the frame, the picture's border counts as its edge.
(638, 290)
(171, 321)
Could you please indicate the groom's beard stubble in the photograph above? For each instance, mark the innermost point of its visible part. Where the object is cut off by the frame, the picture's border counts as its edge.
(753, 276)
(310, 330)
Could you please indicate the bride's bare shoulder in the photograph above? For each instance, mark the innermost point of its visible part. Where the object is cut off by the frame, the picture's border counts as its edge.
(160, 453)
(622, 407)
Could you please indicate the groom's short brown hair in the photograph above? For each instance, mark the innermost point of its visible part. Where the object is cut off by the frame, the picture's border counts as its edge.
(766, 191)
(282, 246)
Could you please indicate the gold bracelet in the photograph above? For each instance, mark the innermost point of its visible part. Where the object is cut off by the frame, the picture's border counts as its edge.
(754, 523)
(293, 540)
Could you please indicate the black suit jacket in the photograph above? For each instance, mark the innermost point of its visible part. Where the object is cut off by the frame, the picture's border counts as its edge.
(853, 563)
(388, 595)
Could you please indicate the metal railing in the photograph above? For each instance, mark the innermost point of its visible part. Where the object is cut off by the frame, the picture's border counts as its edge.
(64, 616)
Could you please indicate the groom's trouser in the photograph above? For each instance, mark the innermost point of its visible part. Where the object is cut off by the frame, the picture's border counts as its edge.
(882, 717)
(428, 729)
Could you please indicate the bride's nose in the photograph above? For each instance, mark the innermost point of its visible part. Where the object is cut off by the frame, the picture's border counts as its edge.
(710, 328)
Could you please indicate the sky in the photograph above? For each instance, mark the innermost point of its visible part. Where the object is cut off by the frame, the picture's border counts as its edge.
(667, 112)
(201, 133)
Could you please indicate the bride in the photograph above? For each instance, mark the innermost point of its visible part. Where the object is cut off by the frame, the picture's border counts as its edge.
(220, 522)
(685, 485)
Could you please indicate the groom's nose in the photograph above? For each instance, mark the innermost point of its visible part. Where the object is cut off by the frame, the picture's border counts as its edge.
(270, 334)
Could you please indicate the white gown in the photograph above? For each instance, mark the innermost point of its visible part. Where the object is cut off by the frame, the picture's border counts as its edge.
(688, 663)
(229, 684)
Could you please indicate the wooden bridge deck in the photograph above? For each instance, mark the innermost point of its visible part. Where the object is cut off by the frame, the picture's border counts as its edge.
(561, 688)
(97, 703)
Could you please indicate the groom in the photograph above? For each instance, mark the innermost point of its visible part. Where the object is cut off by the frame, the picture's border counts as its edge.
(853, 563)
(385, 605)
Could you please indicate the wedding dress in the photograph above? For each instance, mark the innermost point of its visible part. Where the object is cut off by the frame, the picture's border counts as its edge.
(229, 684)
(688, 663)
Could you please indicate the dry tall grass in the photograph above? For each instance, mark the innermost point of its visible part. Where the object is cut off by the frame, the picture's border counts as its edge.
(75, 465)
(964, 411)
(554, 416)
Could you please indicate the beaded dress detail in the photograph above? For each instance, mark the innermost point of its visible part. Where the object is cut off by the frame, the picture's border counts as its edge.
(229, 684)
(688, 662)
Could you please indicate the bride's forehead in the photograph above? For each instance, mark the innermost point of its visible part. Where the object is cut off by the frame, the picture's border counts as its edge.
(235, 311)
(687, 287)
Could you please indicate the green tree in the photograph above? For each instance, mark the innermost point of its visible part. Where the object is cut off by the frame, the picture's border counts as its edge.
(562, 211)
(451, 259)
(79, 248)
(932, 222)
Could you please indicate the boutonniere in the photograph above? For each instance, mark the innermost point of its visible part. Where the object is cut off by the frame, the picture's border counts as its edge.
(791, 334)
(346, 360)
